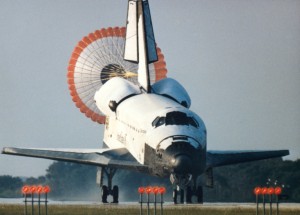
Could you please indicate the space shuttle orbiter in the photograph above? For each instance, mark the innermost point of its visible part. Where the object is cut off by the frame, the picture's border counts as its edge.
(117, 77)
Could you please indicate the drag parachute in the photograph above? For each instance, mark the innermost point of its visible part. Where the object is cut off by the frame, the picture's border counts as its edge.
(97, 58)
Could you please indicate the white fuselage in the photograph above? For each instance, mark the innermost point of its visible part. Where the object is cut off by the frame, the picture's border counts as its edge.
(148, 121)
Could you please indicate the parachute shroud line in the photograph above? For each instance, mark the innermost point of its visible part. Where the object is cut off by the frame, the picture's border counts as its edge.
(97, 58)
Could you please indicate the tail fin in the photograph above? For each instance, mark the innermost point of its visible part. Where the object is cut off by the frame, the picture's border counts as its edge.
(140, 44)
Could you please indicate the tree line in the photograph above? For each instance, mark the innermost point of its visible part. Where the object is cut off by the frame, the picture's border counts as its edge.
(235, 183)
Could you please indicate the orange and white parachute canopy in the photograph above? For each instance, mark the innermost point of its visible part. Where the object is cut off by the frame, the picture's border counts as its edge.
(97, 58)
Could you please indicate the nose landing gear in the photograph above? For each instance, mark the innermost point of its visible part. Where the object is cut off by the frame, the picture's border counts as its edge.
(185, 184)
(194, 191)
(189, 193)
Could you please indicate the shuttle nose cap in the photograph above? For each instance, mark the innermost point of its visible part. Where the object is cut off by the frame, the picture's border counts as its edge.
(182, 164)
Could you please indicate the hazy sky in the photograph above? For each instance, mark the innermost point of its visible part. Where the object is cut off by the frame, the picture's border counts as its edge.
(239, 60)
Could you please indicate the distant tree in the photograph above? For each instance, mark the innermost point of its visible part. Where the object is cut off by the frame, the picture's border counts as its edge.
(10, 187)
(41, 180)
(72, 181)
(233, 183)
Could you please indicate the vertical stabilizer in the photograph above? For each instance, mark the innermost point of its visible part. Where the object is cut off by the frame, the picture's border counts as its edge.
(140, 44)
(131, 42)
(150, 40)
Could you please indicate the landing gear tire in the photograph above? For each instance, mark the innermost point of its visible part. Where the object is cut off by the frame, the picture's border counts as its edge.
(181, 196)
(199, 194)
(108, 190)
(189, 194)
(175, 195)
(115, 194)
(104, 194)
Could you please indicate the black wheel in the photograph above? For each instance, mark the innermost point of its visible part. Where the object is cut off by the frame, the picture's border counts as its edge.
(104, 194)
(175, 196)
(199, 193)
(115, 193)
(181, 196)
(189, 194)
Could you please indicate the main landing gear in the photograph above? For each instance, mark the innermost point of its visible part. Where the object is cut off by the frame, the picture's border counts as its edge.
(108, 190)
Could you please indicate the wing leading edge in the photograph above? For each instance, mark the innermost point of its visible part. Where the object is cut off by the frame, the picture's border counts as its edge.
(113, 158)
(222, 158)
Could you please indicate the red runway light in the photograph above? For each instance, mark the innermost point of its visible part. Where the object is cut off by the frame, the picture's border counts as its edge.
(271, 190)
(264, 190)
(39, 189)
(33, 189)
(25, 189)
(155, 190)
(46, 189)
(162, 190)
(148, 190)
(278, 190)
(141, 190)
(257, 190)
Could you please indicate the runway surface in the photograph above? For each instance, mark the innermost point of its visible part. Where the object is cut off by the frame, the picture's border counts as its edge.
(166, 204)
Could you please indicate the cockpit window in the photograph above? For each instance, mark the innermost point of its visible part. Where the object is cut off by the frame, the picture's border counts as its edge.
(193, 122)
(175, 118)
(159, 121)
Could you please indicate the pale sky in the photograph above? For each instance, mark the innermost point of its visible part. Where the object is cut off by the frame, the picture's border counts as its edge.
(239, 61)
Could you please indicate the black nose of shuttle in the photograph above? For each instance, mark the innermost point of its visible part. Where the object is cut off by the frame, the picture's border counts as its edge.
(182, 164)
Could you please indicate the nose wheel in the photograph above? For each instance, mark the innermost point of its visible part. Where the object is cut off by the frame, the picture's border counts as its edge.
(107, 190)
(179, 192)
(185, 185)
(189, 193)
(194, 191)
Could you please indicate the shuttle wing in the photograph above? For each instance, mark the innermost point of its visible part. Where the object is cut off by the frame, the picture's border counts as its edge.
(113, 158)
(222, 158)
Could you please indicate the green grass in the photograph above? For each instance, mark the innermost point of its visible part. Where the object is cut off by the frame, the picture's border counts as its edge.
(10, 209)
